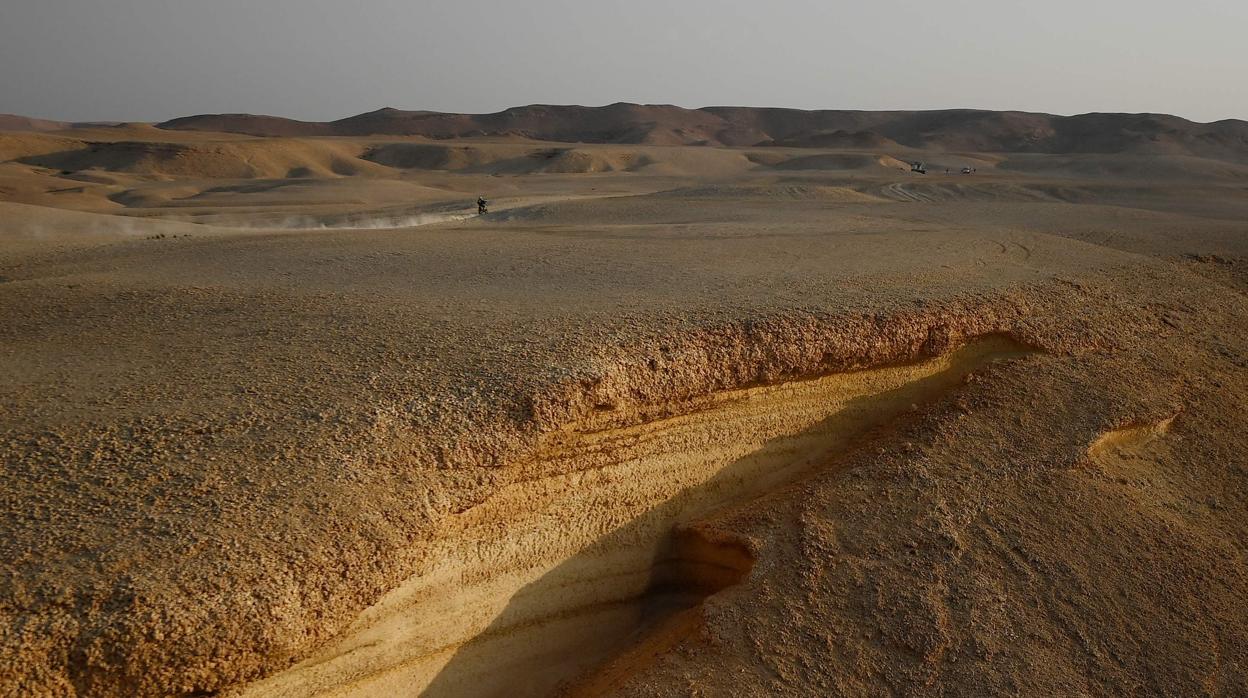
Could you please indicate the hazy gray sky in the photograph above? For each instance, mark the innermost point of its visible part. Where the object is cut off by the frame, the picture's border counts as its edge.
(326, 59)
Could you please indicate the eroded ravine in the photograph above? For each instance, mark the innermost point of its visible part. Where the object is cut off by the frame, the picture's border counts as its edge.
(577, 558)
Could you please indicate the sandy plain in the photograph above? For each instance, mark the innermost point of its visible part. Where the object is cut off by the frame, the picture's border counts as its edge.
(282, 416)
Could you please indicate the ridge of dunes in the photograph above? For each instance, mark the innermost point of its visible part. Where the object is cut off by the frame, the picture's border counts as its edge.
(16, 122)
(842, 161)
(433, 156)
(221, 160)
(17, 146)
(956, 129)
(302, 158)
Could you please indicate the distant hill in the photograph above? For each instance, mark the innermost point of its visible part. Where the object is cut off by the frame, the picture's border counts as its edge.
(250, 124)
(16, 122)
(956, 129)
(13, 122)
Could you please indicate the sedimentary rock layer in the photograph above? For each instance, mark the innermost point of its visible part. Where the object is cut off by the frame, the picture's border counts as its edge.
(598, 540)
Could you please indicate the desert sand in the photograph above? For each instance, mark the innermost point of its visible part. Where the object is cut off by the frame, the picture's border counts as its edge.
(711, 402)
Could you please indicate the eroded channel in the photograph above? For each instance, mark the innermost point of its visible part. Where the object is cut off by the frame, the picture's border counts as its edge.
(596, 551)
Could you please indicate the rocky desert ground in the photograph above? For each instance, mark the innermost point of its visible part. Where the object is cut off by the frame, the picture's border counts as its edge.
(711, 402)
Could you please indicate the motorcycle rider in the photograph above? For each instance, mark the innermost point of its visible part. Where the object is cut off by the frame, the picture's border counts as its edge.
(481, 205)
